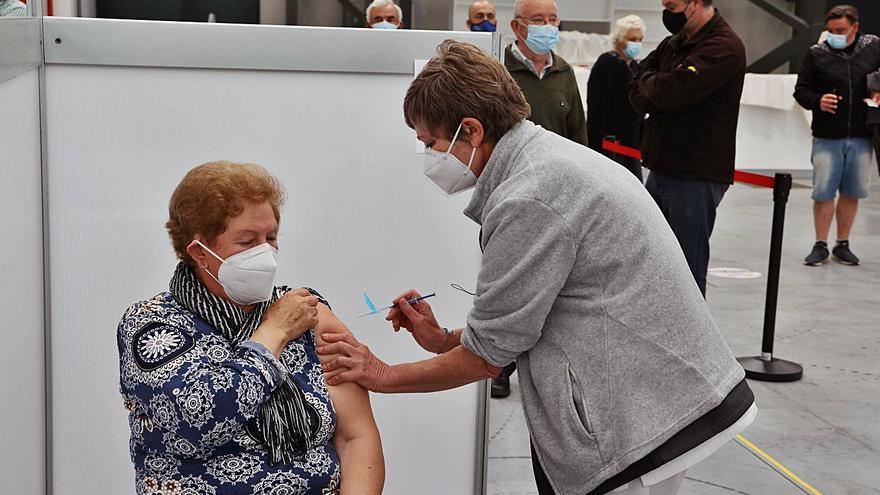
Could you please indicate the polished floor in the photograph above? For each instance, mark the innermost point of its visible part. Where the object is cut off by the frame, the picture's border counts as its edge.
(824, 429)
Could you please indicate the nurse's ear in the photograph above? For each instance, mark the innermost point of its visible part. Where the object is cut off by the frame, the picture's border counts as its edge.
(473, 131)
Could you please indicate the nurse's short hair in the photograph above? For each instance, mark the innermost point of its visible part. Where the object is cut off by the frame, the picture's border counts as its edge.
(212, 193)
(462, 81)
(624, 25)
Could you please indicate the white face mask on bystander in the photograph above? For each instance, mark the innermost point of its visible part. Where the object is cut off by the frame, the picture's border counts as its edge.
(447, 172)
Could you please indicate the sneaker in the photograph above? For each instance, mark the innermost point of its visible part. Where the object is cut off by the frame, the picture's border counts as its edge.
(818, 255)
(842, 254)
(500, 387)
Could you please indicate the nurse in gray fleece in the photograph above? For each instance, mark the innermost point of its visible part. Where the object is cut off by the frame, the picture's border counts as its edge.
(626, 380)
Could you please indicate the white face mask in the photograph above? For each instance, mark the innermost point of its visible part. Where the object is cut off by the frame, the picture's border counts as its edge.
(249, 276)
(447, 172)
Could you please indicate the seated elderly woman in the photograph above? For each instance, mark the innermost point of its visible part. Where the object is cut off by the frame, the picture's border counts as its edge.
(220, 373)
(609, 112)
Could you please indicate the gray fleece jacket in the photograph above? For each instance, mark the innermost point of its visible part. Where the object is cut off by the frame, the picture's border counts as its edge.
(584, 284)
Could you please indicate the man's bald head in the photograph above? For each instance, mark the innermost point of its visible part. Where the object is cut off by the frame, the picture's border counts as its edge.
(479, 12)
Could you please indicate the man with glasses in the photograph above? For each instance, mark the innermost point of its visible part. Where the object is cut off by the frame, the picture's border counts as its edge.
(543, 76)
(549, 86)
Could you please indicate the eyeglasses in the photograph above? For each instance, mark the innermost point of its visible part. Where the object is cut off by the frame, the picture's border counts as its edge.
(540, 21)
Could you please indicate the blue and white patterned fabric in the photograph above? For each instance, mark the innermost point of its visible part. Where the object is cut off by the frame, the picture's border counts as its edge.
(193, 403)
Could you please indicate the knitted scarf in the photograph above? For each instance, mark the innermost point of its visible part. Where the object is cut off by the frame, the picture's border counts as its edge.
(286, 423)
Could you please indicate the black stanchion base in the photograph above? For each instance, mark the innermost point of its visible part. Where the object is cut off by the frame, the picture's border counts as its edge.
(776, 370)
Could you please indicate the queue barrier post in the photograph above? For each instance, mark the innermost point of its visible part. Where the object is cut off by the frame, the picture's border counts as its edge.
(767, 367)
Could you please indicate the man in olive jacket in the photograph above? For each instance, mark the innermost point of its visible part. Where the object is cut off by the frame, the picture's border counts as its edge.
(547, 81)
(690, 88)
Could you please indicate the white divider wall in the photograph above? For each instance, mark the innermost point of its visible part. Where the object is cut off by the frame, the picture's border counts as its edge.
(22, 364)
(360, 217)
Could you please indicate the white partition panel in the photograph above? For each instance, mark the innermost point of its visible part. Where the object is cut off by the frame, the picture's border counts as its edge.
(773, 139)
(22, 364)
(360, 217)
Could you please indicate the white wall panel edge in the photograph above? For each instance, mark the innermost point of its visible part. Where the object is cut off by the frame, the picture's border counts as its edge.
(22, 52)
(481, 461)
(47, 286)
(241, 46)
(22, 352)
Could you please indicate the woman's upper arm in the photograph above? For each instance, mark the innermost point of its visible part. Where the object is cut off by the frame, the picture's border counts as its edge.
(351, 401)
(328, 322)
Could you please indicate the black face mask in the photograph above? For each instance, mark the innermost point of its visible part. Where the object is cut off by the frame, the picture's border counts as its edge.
(674, 21)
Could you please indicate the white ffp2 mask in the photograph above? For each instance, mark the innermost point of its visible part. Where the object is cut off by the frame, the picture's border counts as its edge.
(247, 277)
(447, 172)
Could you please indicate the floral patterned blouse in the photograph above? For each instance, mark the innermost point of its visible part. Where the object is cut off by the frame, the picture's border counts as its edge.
(193, 399)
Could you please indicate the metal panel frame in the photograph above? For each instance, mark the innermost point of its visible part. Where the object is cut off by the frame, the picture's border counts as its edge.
(239, 46)
(24, 34)
(218, 46)
(806, 25)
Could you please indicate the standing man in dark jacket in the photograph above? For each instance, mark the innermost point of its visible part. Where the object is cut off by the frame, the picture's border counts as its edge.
(690, 87)
(833, 83)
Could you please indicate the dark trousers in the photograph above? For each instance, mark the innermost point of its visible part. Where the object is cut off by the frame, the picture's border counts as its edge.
(689, 206)
(507, 370)
(544, 487)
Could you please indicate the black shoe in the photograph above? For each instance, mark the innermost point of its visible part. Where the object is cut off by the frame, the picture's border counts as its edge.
(818, 255)
(842, 254)
(500, 387)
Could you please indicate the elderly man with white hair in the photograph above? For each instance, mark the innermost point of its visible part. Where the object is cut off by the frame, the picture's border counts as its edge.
(543, 76)
(609, 112)
(384, 14)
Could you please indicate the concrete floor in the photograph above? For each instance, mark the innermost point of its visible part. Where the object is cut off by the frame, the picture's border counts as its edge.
(825, 428)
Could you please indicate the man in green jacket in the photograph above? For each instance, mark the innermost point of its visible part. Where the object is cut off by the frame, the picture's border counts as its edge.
(543, 76)
(549, 86)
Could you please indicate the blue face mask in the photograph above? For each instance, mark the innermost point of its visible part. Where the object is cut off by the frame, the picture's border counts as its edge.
(633, 49)
(542, 39)
(838, 41)
(384, 25)
(485, 26)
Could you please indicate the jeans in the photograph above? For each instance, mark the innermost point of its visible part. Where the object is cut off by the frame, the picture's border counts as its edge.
(843, 165)
(689, 207)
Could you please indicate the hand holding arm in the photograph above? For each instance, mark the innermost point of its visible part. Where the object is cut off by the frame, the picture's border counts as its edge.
(357, 364)
(287, 319)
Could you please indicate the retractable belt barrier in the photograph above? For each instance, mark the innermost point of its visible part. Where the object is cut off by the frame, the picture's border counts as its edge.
(764, 367)
(612, 146)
